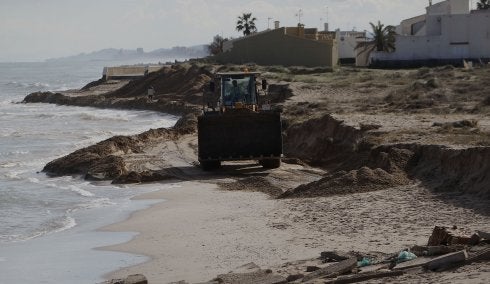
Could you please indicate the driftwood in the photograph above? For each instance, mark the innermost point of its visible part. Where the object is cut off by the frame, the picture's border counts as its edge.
(255, 277)
(435, 250)
(447, 260)
(131, 279)
(364, 276)
(483, 255)
(333, 270)
(484, 235)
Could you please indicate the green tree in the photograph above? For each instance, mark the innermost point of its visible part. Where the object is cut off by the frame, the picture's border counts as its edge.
(483, 5)
(383, 37)
(246, 24)
(383, 40)
(216, 47)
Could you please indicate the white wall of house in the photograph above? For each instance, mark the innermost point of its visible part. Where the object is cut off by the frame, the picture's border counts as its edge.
(405, 27)
(448, 36)
(449, 7)
(347, 41)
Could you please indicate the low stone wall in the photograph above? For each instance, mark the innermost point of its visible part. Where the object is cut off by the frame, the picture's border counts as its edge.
(126, 72)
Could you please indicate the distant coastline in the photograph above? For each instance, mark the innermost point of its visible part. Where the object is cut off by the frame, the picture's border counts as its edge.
(115, 54)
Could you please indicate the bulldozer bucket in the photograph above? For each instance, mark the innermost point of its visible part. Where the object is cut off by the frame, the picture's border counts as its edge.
(239, 136)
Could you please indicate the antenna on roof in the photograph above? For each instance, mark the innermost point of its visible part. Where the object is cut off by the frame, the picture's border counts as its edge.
(299, 15)
(430, 2)
(268, 23)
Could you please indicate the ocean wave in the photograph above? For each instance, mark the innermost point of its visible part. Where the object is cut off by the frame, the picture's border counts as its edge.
(96, 203)
(12, 175)
(6, 102)
(45, 115)
(9, 164)
(28, 85)
(11, 238)
(73, 188)
(35, 163)
(33, 180)
(14, 153)
(94, 117)
(80, 191)
(53, 226)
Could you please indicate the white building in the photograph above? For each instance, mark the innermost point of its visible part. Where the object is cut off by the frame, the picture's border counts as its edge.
(448, 33)
(347, 42)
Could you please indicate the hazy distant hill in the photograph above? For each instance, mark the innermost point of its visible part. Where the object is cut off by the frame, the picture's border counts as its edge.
(113, 54)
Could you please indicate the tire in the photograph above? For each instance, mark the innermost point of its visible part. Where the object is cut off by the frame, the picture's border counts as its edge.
(210, 165)
(270, 163)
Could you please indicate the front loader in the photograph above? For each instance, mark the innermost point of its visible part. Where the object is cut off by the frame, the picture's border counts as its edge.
(237, 124)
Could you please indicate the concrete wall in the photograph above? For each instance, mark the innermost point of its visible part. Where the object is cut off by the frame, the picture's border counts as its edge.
(275, 47)
(347, 42)
(129, 71)
(405, 27)
(433, 25)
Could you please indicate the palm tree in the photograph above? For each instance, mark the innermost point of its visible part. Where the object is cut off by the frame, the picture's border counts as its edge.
(483, 5)
(246, 24)
(383, 39)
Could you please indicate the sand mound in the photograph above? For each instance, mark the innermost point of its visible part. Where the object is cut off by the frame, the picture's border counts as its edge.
(322, 141)
(259, 184)
(357, 166)
(177, 82)
(385, 168)
(363, 180)
(102, 161)
(278, 93)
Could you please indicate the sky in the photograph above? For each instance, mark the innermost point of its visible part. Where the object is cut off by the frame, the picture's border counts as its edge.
(34, 30)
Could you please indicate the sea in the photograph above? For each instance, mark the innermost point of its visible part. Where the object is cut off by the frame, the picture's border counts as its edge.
(49, 226)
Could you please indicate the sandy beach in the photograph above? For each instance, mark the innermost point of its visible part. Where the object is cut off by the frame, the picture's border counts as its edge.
(201, 231)
(374, 160)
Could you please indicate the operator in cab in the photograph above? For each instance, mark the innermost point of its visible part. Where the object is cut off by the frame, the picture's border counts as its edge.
(235, 93)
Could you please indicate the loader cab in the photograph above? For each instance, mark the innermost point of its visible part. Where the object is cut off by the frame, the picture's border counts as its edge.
(238, 90)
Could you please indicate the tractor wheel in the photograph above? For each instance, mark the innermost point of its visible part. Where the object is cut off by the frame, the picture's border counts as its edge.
(270, 163)
(210, 165)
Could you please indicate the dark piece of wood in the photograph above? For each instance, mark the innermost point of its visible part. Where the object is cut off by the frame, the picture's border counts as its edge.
(484, 235)
(483, 255)
(435, 250)
(256, 277)
(335, 269)
(447, 260)
(365, 276)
